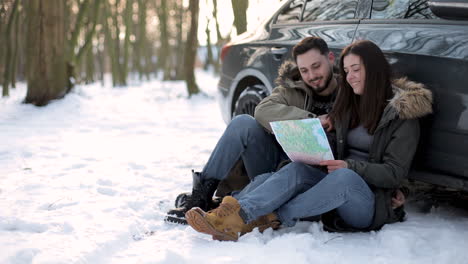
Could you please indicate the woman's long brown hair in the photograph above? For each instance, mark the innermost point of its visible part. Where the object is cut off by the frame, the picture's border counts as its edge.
(365, 109)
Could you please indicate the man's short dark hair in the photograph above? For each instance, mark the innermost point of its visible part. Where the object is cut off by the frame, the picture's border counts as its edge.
(310, 43)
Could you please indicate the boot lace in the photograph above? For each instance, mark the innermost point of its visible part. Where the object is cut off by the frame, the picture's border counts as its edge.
(224, 210)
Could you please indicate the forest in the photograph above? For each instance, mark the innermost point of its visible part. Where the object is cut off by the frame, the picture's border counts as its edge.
(53, 45)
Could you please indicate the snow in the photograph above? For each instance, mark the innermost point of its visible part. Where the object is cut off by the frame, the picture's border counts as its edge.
(86, 178)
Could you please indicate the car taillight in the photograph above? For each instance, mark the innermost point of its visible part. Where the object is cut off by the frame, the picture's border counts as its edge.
(224, 51)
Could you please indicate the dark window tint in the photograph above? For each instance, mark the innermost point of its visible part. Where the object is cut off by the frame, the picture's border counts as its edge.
(329, 10)
(401, 9)
(291, 13)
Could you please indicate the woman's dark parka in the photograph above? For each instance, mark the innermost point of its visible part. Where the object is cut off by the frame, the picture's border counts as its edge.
(391, 152)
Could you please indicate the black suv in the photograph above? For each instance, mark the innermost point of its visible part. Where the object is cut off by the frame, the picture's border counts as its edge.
(424, 40)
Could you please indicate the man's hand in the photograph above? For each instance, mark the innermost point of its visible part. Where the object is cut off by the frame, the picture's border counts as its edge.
(333, 165)
(326, 122)
(398, 199)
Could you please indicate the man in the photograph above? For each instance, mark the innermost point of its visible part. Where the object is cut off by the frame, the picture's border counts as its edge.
(306, 89)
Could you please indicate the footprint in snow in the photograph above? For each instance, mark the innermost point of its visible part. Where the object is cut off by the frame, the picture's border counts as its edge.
(104, 182)
(107, 191)
(135, 166)
(58, 204)
(76, 166)
(24, 256)
(18, 225)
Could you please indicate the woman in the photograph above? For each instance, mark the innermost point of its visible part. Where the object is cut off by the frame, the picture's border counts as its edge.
(377, 133)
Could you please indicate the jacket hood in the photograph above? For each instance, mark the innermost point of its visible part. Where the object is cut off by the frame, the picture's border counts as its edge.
(411, 100)
(289, 76)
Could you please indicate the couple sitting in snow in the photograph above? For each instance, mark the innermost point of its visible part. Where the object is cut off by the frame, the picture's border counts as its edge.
(374, 132)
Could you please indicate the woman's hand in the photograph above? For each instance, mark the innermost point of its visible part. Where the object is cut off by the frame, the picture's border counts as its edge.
(398, 199)
(326, 122)
(333, 165)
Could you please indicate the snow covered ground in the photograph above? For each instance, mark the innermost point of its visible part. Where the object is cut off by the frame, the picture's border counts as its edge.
(81, 178)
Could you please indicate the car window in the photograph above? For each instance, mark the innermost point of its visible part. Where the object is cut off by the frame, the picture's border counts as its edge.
(401, 9)
(329, 10)
(291, 13)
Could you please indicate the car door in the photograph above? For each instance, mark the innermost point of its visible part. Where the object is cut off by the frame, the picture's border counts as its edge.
(332, 20)
(433, 51)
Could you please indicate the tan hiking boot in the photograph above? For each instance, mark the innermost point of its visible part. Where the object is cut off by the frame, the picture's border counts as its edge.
(263, 223)
(223, 223)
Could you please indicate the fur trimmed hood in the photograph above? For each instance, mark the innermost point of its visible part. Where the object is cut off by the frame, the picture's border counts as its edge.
(289, 76)
(410, 100)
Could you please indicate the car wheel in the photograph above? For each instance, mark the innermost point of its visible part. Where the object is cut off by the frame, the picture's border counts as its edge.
(249, 99)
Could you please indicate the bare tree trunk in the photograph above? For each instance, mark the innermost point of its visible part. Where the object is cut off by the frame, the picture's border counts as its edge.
(126, 47)
(89, 66)
(84, 25)
(9, 48)
(144, 48)
(113, 44)
(215, 16)
(191, 49)
(109, 43)
(46, 71)
(240, 15)
(3, 21)
(101, 60)
(118, 76)
(140, 42)
(220, 40)
(209, 51)
(164, 39)
(14, 61)
(79, 25)
(72, 64)
(21, 43)
(93, 18)
(179, 67)
(150, 65)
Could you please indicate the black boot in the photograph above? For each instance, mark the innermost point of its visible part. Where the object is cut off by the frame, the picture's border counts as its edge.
(202, 194)
(182, 199)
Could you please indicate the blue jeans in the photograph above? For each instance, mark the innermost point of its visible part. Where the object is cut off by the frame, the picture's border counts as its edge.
(244, 138)
(297, 191)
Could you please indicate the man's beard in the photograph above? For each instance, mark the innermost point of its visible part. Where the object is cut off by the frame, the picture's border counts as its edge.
(320, 89)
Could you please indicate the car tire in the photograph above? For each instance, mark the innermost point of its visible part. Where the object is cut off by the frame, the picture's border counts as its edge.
(249, 99)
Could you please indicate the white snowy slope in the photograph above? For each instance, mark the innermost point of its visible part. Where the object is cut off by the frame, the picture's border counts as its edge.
(81, 178)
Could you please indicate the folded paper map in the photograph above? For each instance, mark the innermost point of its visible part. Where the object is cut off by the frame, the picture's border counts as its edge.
(303, 140)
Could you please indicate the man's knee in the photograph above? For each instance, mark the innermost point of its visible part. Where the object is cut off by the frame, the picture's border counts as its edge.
(243, 123)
